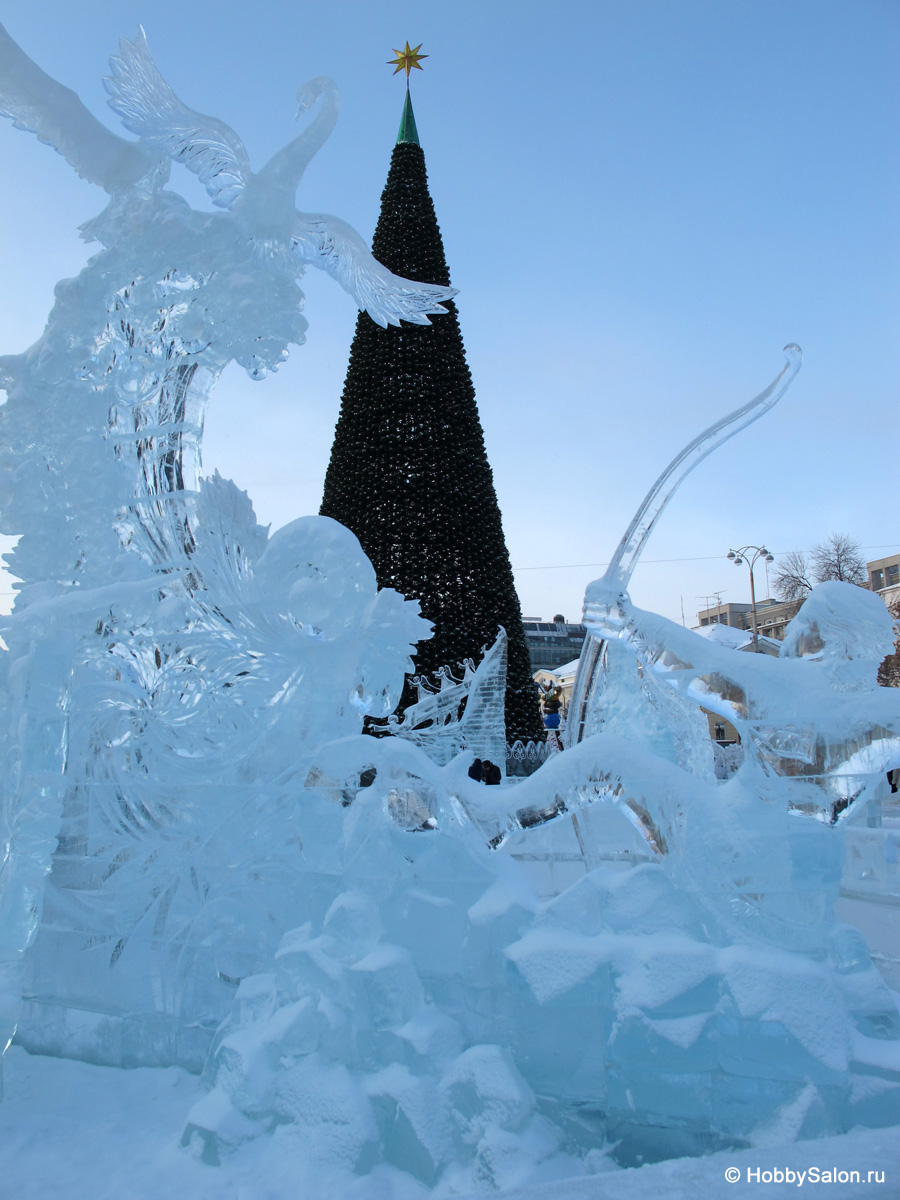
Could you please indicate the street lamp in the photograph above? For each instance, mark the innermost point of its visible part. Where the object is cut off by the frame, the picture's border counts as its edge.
(741, 556)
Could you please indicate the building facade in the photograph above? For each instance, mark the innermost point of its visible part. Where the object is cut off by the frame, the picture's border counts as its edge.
(884, 577)
(552, 643)
(772, 616)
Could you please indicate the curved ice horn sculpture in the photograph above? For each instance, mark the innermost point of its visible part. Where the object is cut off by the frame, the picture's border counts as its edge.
(603, 592)
(632, 544)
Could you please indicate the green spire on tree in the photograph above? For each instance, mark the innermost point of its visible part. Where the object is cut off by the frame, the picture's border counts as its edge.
(409, 473)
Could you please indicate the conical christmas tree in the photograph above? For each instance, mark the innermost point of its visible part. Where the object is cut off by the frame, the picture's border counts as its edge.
(409, 473)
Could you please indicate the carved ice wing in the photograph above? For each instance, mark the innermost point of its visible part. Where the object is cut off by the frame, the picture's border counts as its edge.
(148, 107)
(335, 247)
(54, 113)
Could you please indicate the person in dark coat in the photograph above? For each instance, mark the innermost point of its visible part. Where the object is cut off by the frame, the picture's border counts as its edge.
(475, 771)
(490, 772)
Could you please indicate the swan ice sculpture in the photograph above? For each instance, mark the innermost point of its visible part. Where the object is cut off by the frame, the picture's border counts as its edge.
(161, 641)
(135, 344)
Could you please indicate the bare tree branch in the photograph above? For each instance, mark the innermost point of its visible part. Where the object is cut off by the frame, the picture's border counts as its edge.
(791, 581)
(839, 557)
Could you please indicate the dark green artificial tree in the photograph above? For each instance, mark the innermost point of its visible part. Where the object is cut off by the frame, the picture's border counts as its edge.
(409, 473)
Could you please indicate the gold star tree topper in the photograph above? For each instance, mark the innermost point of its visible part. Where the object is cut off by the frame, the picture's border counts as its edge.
(407, 59)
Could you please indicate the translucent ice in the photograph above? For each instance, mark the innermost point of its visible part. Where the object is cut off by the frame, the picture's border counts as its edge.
(206, 863)
(434, 721)
(699, 993)
(161, 642)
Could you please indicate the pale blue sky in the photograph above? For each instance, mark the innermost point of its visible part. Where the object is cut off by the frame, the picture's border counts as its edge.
(641, 203)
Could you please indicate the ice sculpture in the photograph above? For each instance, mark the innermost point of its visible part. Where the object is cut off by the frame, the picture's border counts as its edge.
(144, 686)
(436, 723)
(713, 998)
(206, 863)
(606, 590)
(468, 1032)
(135, 344)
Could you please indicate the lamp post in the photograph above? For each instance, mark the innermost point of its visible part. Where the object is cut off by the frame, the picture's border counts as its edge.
(741, 556)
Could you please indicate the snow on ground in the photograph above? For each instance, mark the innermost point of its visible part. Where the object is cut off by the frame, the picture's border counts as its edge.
(78, 1132)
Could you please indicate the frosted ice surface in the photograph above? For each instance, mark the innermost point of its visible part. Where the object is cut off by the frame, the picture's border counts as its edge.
(166, 656)
(206, 863)
(434, 721)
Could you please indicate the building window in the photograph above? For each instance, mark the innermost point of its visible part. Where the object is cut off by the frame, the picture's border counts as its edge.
(720, 731)
(877, 580)
(893, 575)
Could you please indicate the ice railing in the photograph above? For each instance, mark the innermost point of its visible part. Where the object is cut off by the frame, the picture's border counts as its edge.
(524, 758)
